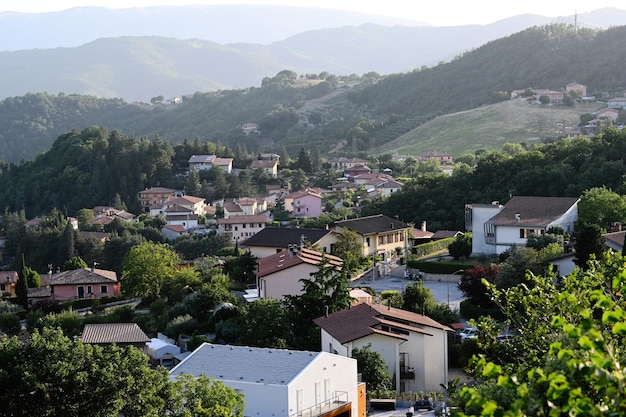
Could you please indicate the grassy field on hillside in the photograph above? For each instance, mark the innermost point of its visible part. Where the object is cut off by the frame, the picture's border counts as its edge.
(488, 127)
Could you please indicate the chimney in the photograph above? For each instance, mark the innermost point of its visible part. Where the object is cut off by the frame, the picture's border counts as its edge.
(325, 311)
(423, 226)
(517, 217)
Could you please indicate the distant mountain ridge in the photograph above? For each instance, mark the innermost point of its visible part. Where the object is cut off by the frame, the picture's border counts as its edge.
(141, 67)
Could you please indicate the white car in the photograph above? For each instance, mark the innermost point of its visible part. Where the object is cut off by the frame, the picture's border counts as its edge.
(468, 333)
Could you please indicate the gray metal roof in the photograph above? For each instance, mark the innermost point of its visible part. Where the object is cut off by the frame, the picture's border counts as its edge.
(245, 364)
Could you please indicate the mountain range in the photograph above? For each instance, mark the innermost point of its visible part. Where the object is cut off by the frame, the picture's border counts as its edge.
(119, 59)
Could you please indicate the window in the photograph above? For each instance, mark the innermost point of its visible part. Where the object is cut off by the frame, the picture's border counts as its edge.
(367, 241)
(381, 240)
(243, 226)
(104, 289)
(236, 228)
(89, 289)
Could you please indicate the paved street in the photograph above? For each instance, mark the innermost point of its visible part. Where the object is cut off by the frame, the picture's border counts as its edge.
(443, 286)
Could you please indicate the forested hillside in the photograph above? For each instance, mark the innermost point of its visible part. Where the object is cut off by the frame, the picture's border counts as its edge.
(365, 112)
(539, 57)
(563, 168)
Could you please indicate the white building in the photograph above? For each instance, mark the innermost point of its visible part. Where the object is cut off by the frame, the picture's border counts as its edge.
(242, 227)
(495, 227)
(278, 382)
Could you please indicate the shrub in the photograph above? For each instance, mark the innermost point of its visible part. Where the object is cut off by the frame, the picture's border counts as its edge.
(181, 325)
(10, 323)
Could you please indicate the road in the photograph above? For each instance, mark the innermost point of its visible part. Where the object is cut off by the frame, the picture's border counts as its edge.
(443, 286)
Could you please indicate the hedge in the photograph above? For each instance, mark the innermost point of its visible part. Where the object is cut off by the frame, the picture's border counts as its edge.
(438, 267)
(432, 247)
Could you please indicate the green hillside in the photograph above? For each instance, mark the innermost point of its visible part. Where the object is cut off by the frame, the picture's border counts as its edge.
(488, 127)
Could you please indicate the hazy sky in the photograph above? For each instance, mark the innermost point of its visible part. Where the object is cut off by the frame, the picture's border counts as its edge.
(437, 12)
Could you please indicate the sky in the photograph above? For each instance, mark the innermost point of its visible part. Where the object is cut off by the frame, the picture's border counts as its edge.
(438, 12)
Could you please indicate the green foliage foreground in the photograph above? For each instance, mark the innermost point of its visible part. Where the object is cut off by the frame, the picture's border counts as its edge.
(53, 375)
(568, 358)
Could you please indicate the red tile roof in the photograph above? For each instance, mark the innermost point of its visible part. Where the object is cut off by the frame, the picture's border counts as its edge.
(365, 319)
(285, 259)
(255, 218)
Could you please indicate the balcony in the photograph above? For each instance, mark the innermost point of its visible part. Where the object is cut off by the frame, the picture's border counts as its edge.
(407, 372)
(338, 400)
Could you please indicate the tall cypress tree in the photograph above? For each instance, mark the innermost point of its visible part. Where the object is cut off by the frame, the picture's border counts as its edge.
(21, 288)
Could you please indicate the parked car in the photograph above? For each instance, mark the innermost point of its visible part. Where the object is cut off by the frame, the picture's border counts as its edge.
(505, 338)
(468, 333)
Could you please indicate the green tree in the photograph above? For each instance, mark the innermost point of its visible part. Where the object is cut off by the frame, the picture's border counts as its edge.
(264, 323)
(21, 287)
(32, 277)
(349, 248)
(589, 243)
(204, 397)
(304, 161)
(565, 360)
(193, 183)
(75, 262)
(461, 246)
(601, 206)
(519, 260)
(326, 290)
(373, 369)
(68, 377)
(146, 267)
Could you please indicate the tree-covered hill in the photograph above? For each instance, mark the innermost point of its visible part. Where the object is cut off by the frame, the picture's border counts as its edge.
(365, 112)
(539, 57)
(565, 168)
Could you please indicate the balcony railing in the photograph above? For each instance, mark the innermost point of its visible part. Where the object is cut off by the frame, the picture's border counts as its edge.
(338, 400)
(407, 372)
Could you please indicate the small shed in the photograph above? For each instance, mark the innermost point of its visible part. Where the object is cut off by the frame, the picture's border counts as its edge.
(162, 352)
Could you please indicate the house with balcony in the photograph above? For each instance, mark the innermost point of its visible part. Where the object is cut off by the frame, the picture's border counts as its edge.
(496, 227)
(242, 227)
(380, 235)
(280, 382)
(414, 346)
(307, 203)
(155, 196)
(245, 206)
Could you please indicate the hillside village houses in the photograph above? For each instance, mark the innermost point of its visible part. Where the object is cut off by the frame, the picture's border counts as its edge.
(206, 162)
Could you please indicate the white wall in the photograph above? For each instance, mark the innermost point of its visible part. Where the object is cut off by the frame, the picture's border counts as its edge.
(333, 373)
(263, 399)
(480, 214)
(286, 281)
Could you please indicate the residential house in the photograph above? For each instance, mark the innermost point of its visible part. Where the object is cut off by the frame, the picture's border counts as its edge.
(414, 346)
(555, 96)
(446, 234)
(268, 166)
(120, 334)
(84, 283)
(380, 235)
(272, 240)
(206, 162)
(155, 195)
(307, 203)
(343, 163)
(442, 158)
(617, 103)
(248, 128)
(197, 205)
(281, 274)
(278, 382)
(246, 206)
(181, 216)
(608, 113)
(357, 170)
(382, 187)
(242, 227)
(495, 227)
(8, 279)
(421, 235)
(105, 215)
(173, 231)
(580, 89)
(98, 236)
